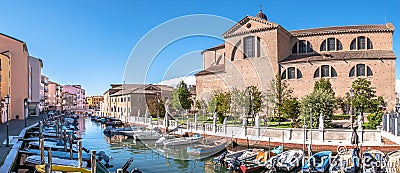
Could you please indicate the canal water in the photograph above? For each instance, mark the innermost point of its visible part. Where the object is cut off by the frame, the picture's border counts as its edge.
(121, 148)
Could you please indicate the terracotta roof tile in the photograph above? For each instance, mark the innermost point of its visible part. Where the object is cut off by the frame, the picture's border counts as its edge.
(341, 55)
(212, 70)
(343, 29)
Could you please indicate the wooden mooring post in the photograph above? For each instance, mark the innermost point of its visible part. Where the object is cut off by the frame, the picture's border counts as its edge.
(80, 153)
(93, 159)
(49, 164)
(70, 146)
(41, 146)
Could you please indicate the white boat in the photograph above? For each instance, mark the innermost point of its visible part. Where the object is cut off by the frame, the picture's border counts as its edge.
(56, 146)
(178, 141)
(131, 133)
(345, 162)
(206, 149)
(147, 135)
(287, 161)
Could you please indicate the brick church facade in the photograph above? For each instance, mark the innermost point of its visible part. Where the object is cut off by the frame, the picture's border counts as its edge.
(256, 49)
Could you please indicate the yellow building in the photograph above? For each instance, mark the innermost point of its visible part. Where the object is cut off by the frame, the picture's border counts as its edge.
(93, 102)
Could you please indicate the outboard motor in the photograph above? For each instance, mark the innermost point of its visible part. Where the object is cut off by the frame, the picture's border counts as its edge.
(220, 159)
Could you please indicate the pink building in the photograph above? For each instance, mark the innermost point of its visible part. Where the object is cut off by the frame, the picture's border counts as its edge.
(79, 92)
(55, 96)
(16, 52)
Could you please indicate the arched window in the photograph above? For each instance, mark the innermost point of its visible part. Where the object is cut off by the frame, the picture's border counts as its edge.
(325, 71)
(303, 47)
(291, 73)
(299, 74)
(361, 43)
(331, 44)
(360, 70)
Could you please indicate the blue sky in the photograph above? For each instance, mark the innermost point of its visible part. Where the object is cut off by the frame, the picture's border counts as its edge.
(89, 42)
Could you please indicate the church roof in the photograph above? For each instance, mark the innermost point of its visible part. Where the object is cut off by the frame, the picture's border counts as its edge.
(221, 46)
(341, 55)
(211, 70)
(343, 29)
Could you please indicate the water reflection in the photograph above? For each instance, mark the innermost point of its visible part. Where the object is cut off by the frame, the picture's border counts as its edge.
(121, 148)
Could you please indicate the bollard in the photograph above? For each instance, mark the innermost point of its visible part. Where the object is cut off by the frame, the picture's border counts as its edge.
(50, 160)
(80, 153)
(41, 145)
(93, 159)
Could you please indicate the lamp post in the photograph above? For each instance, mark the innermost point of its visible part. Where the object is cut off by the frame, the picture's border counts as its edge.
(25, 110)
(7, 102)
(158, 111)
(351, 107)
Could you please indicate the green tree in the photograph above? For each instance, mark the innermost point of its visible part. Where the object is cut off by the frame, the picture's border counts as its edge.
(223, 104)
(237, 102)
(155, 106)
(279, 93)
(374, 120)
(201, 104)
(291, 109)
(320, 102)
(364, 96)
(212, 104)
(255, 100)
(181, 97)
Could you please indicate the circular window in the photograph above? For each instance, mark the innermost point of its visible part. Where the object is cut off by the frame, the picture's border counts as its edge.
(248, 25)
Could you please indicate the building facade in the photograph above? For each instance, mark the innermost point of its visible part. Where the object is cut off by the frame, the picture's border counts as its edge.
(34, 86)
(126, 100)
(5, 80)
(16, 52)
(93, 102)
(256, 50)
(55, 96)
(79, 93)
(44, 94)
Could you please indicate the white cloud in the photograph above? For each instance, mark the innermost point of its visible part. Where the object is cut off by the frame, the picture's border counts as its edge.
(189, 80)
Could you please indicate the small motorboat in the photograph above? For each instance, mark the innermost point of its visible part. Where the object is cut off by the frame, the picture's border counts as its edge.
(147, 135)
(347, 162)
(113, 122)
(55, 146)
(206, 149)
(113, 131)
(319, 162)
(178, 141)
(58, 154)
(36, 160)
(393, 162)
(373, 161)
(277, 150)
(252, 165)
(131, 132)
(287, 161)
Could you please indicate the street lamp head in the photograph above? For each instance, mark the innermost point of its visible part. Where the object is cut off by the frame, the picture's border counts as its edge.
(7, 99)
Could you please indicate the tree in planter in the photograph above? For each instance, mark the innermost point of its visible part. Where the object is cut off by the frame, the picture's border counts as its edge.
(156, 107)
(320, 101)
(291, 110)
(364, 96)
(279, 93)
(181, 97)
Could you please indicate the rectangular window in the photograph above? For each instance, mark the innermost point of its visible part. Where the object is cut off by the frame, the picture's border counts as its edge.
(360, 70)
(258, 47)
(331, 44)
(249, 47)
(302, 46)
(129, 99)
(325, 71)
(291, 73)
(361, 42)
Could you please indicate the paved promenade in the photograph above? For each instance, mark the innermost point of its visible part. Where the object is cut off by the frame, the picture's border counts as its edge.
(15, 127)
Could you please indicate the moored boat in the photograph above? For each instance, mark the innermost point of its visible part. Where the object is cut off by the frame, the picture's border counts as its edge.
(204, 149)
(373, 161)
(319, 162)
(287, 161)
(393, 162)
(347, 161)
(178, 141)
